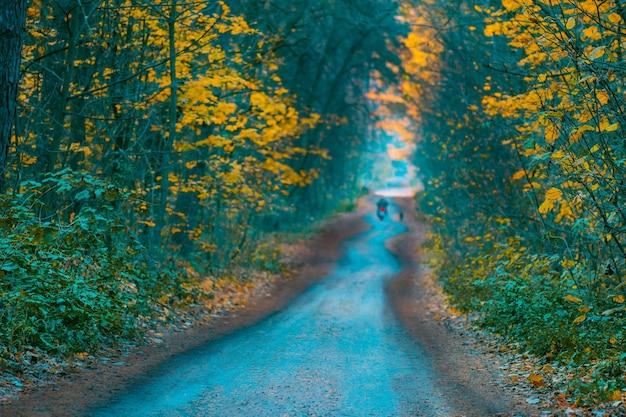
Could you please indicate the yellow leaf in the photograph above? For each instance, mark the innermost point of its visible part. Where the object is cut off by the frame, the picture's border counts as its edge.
(536, 379)
(552, 133)
(532, 185)
(615, 18)
(594, 148)
(603, 97)
(571, 22)
(592, 33)
(597, 52)
(584, 128)
(519, 174)
(611, 128)
(580, 319)
(558, 154)
(618, 298)
(565, 212)
(616, 395)
(81, 355)
(573, 299)
(511, 5)
(554, 194)
(546, 206)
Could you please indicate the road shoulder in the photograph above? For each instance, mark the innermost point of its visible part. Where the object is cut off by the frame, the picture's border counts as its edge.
(472, 374)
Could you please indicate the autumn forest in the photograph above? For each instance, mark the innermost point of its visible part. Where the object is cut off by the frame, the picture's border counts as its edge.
(156, 153)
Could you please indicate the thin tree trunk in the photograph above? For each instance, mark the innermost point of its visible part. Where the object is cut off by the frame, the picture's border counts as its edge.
(170, 138)
(12, 28)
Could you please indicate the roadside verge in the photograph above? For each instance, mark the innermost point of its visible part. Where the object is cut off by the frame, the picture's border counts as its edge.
(472, 375)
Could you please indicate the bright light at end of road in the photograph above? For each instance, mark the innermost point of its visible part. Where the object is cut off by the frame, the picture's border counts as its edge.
(400, 192)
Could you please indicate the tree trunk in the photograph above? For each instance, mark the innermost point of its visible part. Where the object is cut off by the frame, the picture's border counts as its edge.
(12, 28)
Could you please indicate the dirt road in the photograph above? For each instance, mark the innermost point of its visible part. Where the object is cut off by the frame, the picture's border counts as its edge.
(337, 350)
(360, 341)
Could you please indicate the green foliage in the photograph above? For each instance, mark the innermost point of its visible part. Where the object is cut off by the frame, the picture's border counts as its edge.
(70, 280)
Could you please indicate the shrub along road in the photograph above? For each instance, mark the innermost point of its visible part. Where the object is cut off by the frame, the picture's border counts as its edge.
(337, 349)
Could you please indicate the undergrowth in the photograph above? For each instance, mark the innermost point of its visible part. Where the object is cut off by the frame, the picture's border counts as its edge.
(70, 284)
(541, 307)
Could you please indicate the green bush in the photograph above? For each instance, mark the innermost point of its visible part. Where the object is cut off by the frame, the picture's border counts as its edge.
(77, 278)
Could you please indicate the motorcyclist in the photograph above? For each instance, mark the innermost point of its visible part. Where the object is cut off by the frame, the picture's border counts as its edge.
(382, 208)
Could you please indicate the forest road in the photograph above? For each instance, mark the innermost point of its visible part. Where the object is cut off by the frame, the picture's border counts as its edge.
(338, 349)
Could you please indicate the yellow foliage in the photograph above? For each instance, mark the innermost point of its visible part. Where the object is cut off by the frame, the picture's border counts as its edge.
(558, 154)
(552, 133)
(565, 212)
(511, 5)
(568, 263)
(603, 97)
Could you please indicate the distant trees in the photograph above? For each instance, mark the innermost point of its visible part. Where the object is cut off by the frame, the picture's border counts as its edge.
(328, 51)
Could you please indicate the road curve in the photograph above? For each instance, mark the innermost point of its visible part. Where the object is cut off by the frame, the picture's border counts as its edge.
(337, 350)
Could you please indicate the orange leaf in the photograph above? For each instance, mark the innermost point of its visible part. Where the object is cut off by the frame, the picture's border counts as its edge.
(573, 299)
(537, 380)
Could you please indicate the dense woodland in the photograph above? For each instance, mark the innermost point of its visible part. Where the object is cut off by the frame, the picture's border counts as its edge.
(158, 144)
